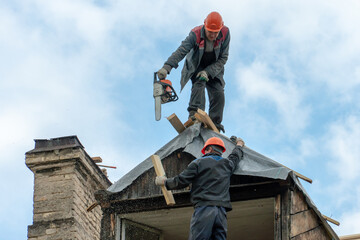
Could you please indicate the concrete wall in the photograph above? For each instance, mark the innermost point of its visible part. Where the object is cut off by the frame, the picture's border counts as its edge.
(65, 179)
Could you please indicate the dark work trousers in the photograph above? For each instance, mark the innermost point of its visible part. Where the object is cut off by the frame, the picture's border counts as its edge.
(208, 223)
(216, 98)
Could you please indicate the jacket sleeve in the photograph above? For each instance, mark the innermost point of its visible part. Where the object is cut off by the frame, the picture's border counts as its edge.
(185, 47)
(215, 68)
(236, 156)
(183, 179)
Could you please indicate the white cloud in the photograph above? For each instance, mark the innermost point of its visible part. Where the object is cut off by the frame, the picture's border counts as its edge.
(342, 146)
(350, 219)
(256, 83)
(349, 224)
(76, 19)
(316, 39)
(343, 143)
(297, 157)
(47, 90)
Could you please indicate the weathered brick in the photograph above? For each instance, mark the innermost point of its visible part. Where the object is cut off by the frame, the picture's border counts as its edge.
(64, 185)
(51, 231)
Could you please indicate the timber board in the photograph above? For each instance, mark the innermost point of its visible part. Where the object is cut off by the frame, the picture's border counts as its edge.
(303, 222)
(317, 233)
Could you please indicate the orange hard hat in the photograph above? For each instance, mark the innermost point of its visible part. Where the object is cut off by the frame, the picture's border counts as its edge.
(214, 141)
(213, 22)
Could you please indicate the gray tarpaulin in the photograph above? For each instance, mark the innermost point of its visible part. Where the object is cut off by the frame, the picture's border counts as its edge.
(192, 140)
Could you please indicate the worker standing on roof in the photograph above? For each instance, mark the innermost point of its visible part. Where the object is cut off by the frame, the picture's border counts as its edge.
(210, 178)
(206, 49)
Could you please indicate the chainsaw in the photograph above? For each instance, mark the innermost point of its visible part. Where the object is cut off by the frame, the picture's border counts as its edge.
(163, 93)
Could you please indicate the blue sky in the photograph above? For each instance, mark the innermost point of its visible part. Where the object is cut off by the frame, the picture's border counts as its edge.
(86, 68)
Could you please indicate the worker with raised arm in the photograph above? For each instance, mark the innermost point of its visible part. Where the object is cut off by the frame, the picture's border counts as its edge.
(206, 49)
(210, 178)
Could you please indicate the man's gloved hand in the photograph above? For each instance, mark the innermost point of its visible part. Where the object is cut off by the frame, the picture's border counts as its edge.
(162, 73)
(160, 180)
(202, 75)
(238, 141)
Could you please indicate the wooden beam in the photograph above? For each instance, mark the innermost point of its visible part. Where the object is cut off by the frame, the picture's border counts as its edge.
(331, 220)
(176, 123)
(309, 180)
(188, 123)
(106, 166)
(285, 214)
(97, 159)
(350, 237)
(159, 169)
(92, 206)
(204, 118)
(277, 218)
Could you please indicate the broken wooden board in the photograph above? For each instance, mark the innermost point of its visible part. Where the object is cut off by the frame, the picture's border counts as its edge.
(188, 123)
(159, 169)
(200, 116)
(204, 118)
(176, 123)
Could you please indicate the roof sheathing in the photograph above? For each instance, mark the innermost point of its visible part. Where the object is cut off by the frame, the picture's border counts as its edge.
(191, 141)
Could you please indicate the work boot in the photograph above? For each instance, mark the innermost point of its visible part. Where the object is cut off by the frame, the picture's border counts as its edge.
(220, 127)
(192, 115)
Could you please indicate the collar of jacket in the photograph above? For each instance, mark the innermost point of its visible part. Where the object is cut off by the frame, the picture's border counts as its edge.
(212, 154)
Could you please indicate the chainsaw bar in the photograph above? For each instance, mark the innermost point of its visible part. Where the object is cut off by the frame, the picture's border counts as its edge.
(158, 91)
(163, 93)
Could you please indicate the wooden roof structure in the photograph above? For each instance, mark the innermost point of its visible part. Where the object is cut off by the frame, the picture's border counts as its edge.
(267, 197)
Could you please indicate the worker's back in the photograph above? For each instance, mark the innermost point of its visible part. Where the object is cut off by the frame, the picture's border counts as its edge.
(211, 185)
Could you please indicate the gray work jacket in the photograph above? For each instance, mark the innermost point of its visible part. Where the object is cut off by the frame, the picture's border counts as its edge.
(193, 48)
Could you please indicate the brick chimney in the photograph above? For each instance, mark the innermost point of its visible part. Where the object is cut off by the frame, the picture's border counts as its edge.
(65, 179)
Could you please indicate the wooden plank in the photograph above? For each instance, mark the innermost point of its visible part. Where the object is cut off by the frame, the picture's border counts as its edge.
(92, 206)
(106, 166)
(285, 214)
(201, 119)
(188, 123)
(350, 237)
(298, 203)
(309, 180)
(331, 220)
(159, 169)
(97, 159)
(176, 123)
(204, 118)
(317, 233)
(277, 218)
(303, 222)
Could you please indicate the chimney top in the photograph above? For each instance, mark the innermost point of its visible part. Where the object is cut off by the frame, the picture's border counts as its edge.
(42, 145)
